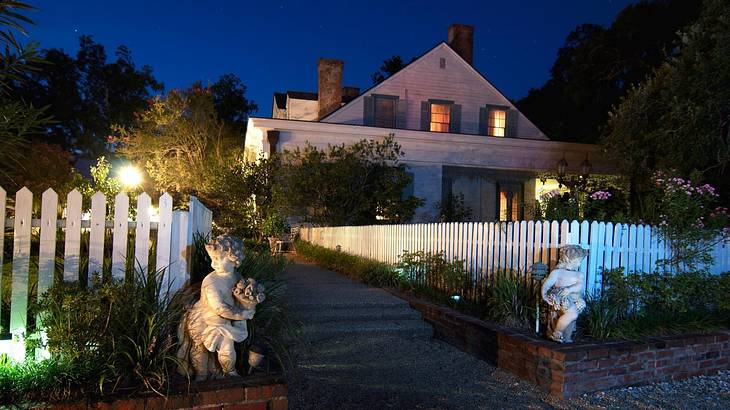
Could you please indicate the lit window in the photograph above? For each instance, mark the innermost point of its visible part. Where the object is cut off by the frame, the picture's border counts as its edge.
(385, 112)
(440, 117)
(497, 123)
(509, 205)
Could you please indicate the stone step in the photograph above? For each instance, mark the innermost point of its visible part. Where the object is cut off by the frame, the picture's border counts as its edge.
(357, 314)
(318, 305)
(407, 328)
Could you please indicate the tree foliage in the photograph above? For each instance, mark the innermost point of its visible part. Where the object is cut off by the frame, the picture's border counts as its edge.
(679, 119)
(19, 121)
(597, 66)
(360, 183)
(389, 67)
(87, 94)
(180, 141)
(229, 98)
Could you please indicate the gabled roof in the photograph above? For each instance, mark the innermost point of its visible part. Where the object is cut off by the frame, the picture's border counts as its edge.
(441, 45)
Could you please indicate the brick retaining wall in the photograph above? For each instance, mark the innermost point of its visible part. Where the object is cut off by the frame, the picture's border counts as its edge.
(572, 369)
(261, 393)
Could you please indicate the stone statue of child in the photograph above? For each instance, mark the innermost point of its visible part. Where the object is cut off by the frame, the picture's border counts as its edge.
(563, 292)
(212, 326)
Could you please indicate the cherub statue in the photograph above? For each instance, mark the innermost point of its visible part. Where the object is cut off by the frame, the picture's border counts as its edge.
(211, 327)
(563, 291)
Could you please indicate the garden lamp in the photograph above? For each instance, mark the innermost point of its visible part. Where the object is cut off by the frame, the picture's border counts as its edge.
(585, 167)
(538, 273)
(562, 169)
(130, 177)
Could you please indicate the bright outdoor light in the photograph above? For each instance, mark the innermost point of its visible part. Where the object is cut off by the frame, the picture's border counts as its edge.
(130, 176)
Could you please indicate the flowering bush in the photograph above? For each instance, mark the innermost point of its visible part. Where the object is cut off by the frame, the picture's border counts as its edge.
(690, 220)
(600, 195)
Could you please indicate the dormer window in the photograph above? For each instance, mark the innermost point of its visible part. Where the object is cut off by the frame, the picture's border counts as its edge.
(497, 123)
(440, 117)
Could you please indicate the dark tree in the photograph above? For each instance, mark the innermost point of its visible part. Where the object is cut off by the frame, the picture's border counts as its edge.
(597, 66)
(678, 120)
(389, 67)
(86, 95)
(229, 98)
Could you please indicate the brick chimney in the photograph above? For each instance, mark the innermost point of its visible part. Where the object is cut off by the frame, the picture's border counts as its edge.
(461, 39)
(329, 85)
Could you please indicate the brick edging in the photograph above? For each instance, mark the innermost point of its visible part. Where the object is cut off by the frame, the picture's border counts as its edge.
(261, 393)
(571, 369)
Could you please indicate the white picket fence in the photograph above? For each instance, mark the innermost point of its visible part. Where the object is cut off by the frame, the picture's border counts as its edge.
(173, 240)
(491, 246)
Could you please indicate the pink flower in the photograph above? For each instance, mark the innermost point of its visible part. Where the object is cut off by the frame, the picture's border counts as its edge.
(600, 195)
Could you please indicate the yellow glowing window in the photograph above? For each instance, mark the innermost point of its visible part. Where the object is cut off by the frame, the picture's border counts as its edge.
(497, 123)
(509, 205)
(440, 117)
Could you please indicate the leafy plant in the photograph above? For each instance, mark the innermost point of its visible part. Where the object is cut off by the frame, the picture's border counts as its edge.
(355, 184)
(599, 317)
(453, 209)
(636, 305)
(367, 270)
(275, 225)
(128, 327)
(425, 268)
(510, 299)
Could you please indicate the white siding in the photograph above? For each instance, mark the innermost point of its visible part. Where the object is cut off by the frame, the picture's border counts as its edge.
(305, 110)
(424, 79)
(426, 152)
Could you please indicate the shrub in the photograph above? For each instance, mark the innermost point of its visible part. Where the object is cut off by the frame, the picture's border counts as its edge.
(637, 305)
(274, 225)
(367, 270)
(690, 220)
(429, 269)
(128, 326)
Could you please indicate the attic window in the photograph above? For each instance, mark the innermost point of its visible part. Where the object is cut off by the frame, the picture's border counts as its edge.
(442, 63)
(497, 123)
(440, 117)
(384, 111)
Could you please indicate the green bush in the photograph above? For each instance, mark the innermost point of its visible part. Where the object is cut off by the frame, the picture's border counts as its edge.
(433, 270)
(50, 380)
(367, 270)
(637, 305)
(128, 326)
(274, 225)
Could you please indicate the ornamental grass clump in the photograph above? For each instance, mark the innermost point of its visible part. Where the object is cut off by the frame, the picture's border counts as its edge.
(510, 299)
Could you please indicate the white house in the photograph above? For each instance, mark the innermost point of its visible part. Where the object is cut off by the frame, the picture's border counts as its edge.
(460, 135)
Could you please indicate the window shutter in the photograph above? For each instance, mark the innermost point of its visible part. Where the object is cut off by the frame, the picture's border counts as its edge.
(368, 111)
(400, 114)
(483, 120)
(425, 115)
(511, 129)
(455, 119)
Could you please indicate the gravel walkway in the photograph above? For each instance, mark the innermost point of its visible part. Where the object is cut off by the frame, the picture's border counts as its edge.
(363, 348)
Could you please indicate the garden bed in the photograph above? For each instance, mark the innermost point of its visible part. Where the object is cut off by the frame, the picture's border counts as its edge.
(267, 392)
(569, 370)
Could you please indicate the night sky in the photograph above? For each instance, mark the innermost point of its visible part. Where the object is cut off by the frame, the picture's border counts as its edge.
(274, 45)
